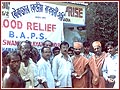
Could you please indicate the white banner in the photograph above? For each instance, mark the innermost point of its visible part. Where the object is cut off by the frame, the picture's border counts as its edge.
(34, 21)
(75, 15)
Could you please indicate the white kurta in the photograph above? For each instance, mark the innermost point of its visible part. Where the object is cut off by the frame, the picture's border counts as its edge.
(44, 70)
(36, 75)
(27, 73)
(62, 70)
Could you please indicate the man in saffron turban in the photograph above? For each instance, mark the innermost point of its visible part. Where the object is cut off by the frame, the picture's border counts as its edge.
(79, 63)
(96, 63)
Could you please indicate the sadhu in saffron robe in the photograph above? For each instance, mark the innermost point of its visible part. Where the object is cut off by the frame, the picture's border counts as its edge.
(79, 64)
(96, 67)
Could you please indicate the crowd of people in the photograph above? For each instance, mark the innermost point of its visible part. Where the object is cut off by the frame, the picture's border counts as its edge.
(61, 67)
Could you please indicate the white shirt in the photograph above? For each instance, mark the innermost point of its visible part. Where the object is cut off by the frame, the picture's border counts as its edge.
(44, 70)
(111, 67)
(62, 70)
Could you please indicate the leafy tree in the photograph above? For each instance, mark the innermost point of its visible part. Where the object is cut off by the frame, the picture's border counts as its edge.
(102, 21)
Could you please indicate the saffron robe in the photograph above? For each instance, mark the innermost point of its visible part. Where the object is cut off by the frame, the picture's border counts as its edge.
(79, 64)
(96, 64)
